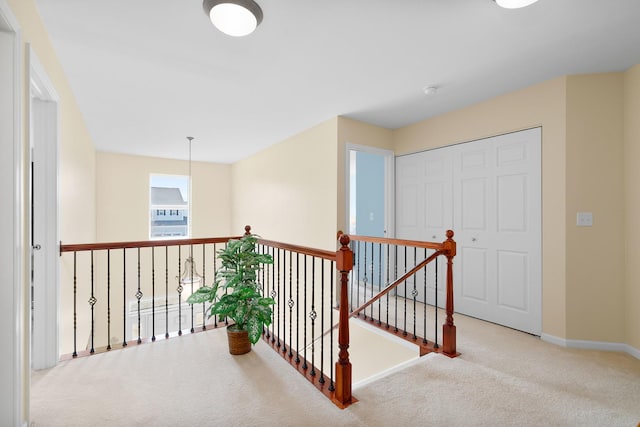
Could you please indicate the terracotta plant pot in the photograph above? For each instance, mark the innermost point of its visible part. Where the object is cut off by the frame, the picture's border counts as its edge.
(238, 341)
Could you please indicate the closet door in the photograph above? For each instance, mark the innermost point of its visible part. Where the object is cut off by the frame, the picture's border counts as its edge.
(489, 193)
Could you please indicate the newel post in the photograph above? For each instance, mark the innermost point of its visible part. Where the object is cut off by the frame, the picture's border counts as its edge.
(344, 264)
(449, 329)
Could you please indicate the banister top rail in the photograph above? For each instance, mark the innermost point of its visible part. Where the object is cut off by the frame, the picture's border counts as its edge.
(143, 244)
(319, 253)
(398, 242)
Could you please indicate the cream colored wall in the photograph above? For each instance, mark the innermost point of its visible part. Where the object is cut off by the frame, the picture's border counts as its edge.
(287, 191)
(541, 105)
(632, 206)
(594, 183)
(355, 132)
(122, 187)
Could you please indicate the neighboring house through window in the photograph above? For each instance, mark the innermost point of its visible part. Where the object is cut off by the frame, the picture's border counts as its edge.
(169, 206)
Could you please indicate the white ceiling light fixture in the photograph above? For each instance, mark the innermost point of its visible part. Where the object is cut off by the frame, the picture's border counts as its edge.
(514, 4)
(236, 18)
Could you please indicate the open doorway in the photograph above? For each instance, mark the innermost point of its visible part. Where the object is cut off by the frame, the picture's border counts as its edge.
(43, 216)
(370, 191)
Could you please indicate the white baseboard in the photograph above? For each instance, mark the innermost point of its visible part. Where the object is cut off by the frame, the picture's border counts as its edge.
(592, 345)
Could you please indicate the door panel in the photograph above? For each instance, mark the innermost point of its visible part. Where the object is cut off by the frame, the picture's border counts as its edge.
(489, 193)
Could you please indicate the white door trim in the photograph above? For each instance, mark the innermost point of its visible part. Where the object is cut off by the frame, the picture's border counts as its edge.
(389, 184)
(14, 372)
(45, 149)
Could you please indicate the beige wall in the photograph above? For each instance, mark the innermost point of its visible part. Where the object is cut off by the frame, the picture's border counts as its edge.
(287, 191)
(355, 132)
(122, 188)
(595, 255)
(540, 105)
(632, 204)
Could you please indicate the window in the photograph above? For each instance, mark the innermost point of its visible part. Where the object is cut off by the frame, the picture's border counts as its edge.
(169, 207)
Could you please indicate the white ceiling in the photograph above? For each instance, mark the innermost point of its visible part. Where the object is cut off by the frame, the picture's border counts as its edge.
(148, 73)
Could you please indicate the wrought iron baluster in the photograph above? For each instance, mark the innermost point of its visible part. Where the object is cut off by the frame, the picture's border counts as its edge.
(108, 299)
(424, 338)
(306, 280)
(166, 291)
(291, 302)
(364, 282)
(435, 342)
(204, 283)
(395, 292)
(372, 275)
(284, 301)
(124, 297)
(404, 329)
(321, 321)
(332, 349)
(179, 289)
(297, 307)
(138, 297)
(75, 305)
(414, 292)
(279, 305)
(313, 315)
(274, 294)
(379, 283)
(153, 293)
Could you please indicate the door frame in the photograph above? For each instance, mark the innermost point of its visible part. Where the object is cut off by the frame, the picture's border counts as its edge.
(389, 184)
(45, 339)
(14, 388)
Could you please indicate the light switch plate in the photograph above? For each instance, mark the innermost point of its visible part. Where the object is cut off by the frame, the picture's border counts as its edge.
(585, 219)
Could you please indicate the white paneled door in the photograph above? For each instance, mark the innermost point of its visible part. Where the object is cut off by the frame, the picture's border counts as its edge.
(489, 193)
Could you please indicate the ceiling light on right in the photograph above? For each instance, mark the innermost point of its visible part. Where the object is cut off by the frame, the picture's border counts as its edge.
(236, 18)
(514, 4)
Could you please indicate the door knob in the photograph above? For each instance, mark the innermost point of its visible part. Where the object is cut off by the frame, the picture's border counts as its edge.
(37, 247)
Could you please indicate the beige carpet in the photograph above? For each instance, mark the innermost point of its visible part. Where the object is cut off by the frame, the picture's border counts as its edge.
(503, 378)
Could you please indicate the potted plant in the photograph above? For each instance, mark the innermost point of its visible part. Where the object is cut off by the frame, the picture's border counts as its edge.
(236, 293)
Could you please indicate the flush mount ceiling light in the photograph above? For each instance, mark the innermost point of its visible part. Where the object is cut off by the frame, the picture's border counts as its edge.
(233, 17)
(514, 4)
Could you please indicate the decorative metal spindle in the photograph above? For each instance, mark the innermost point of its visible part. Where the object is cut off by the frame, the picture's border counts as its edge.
(424, 328)
(388, 281)
(297, 307)
(291, 303)
(153, 293)
(395, 263)
(312, 316)
(404, 329)
(179, 289)
(92, 302)
(306, 280)
(166, 291)
(204, 282)
(215, 271)
(284, 300)
(226, 319)
(124, 297)
(75, 305)
(364, 282)
(278, 292)
(380, 283)
(266, 285)
(354, 275)
(138, 296)
(357, 284)
(372, 275)
(321, 320)
(273, 294)
(331, 350)
(192, 330)
(415, 292)
(435, 342)
(108, 299)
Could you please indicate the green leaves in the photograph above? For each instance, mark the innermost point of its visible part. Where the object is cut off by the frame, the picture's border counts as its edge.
(236, 293)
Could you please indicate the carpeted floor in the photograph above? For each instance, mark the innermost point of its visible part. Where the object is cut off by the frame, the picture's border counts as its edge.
(503, 378)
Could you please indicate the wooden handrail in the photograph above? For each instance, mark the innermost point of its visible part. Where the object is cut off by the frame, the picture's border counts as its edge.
(395, 283)
(398, 242)
(319, 253)
(142, 244)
